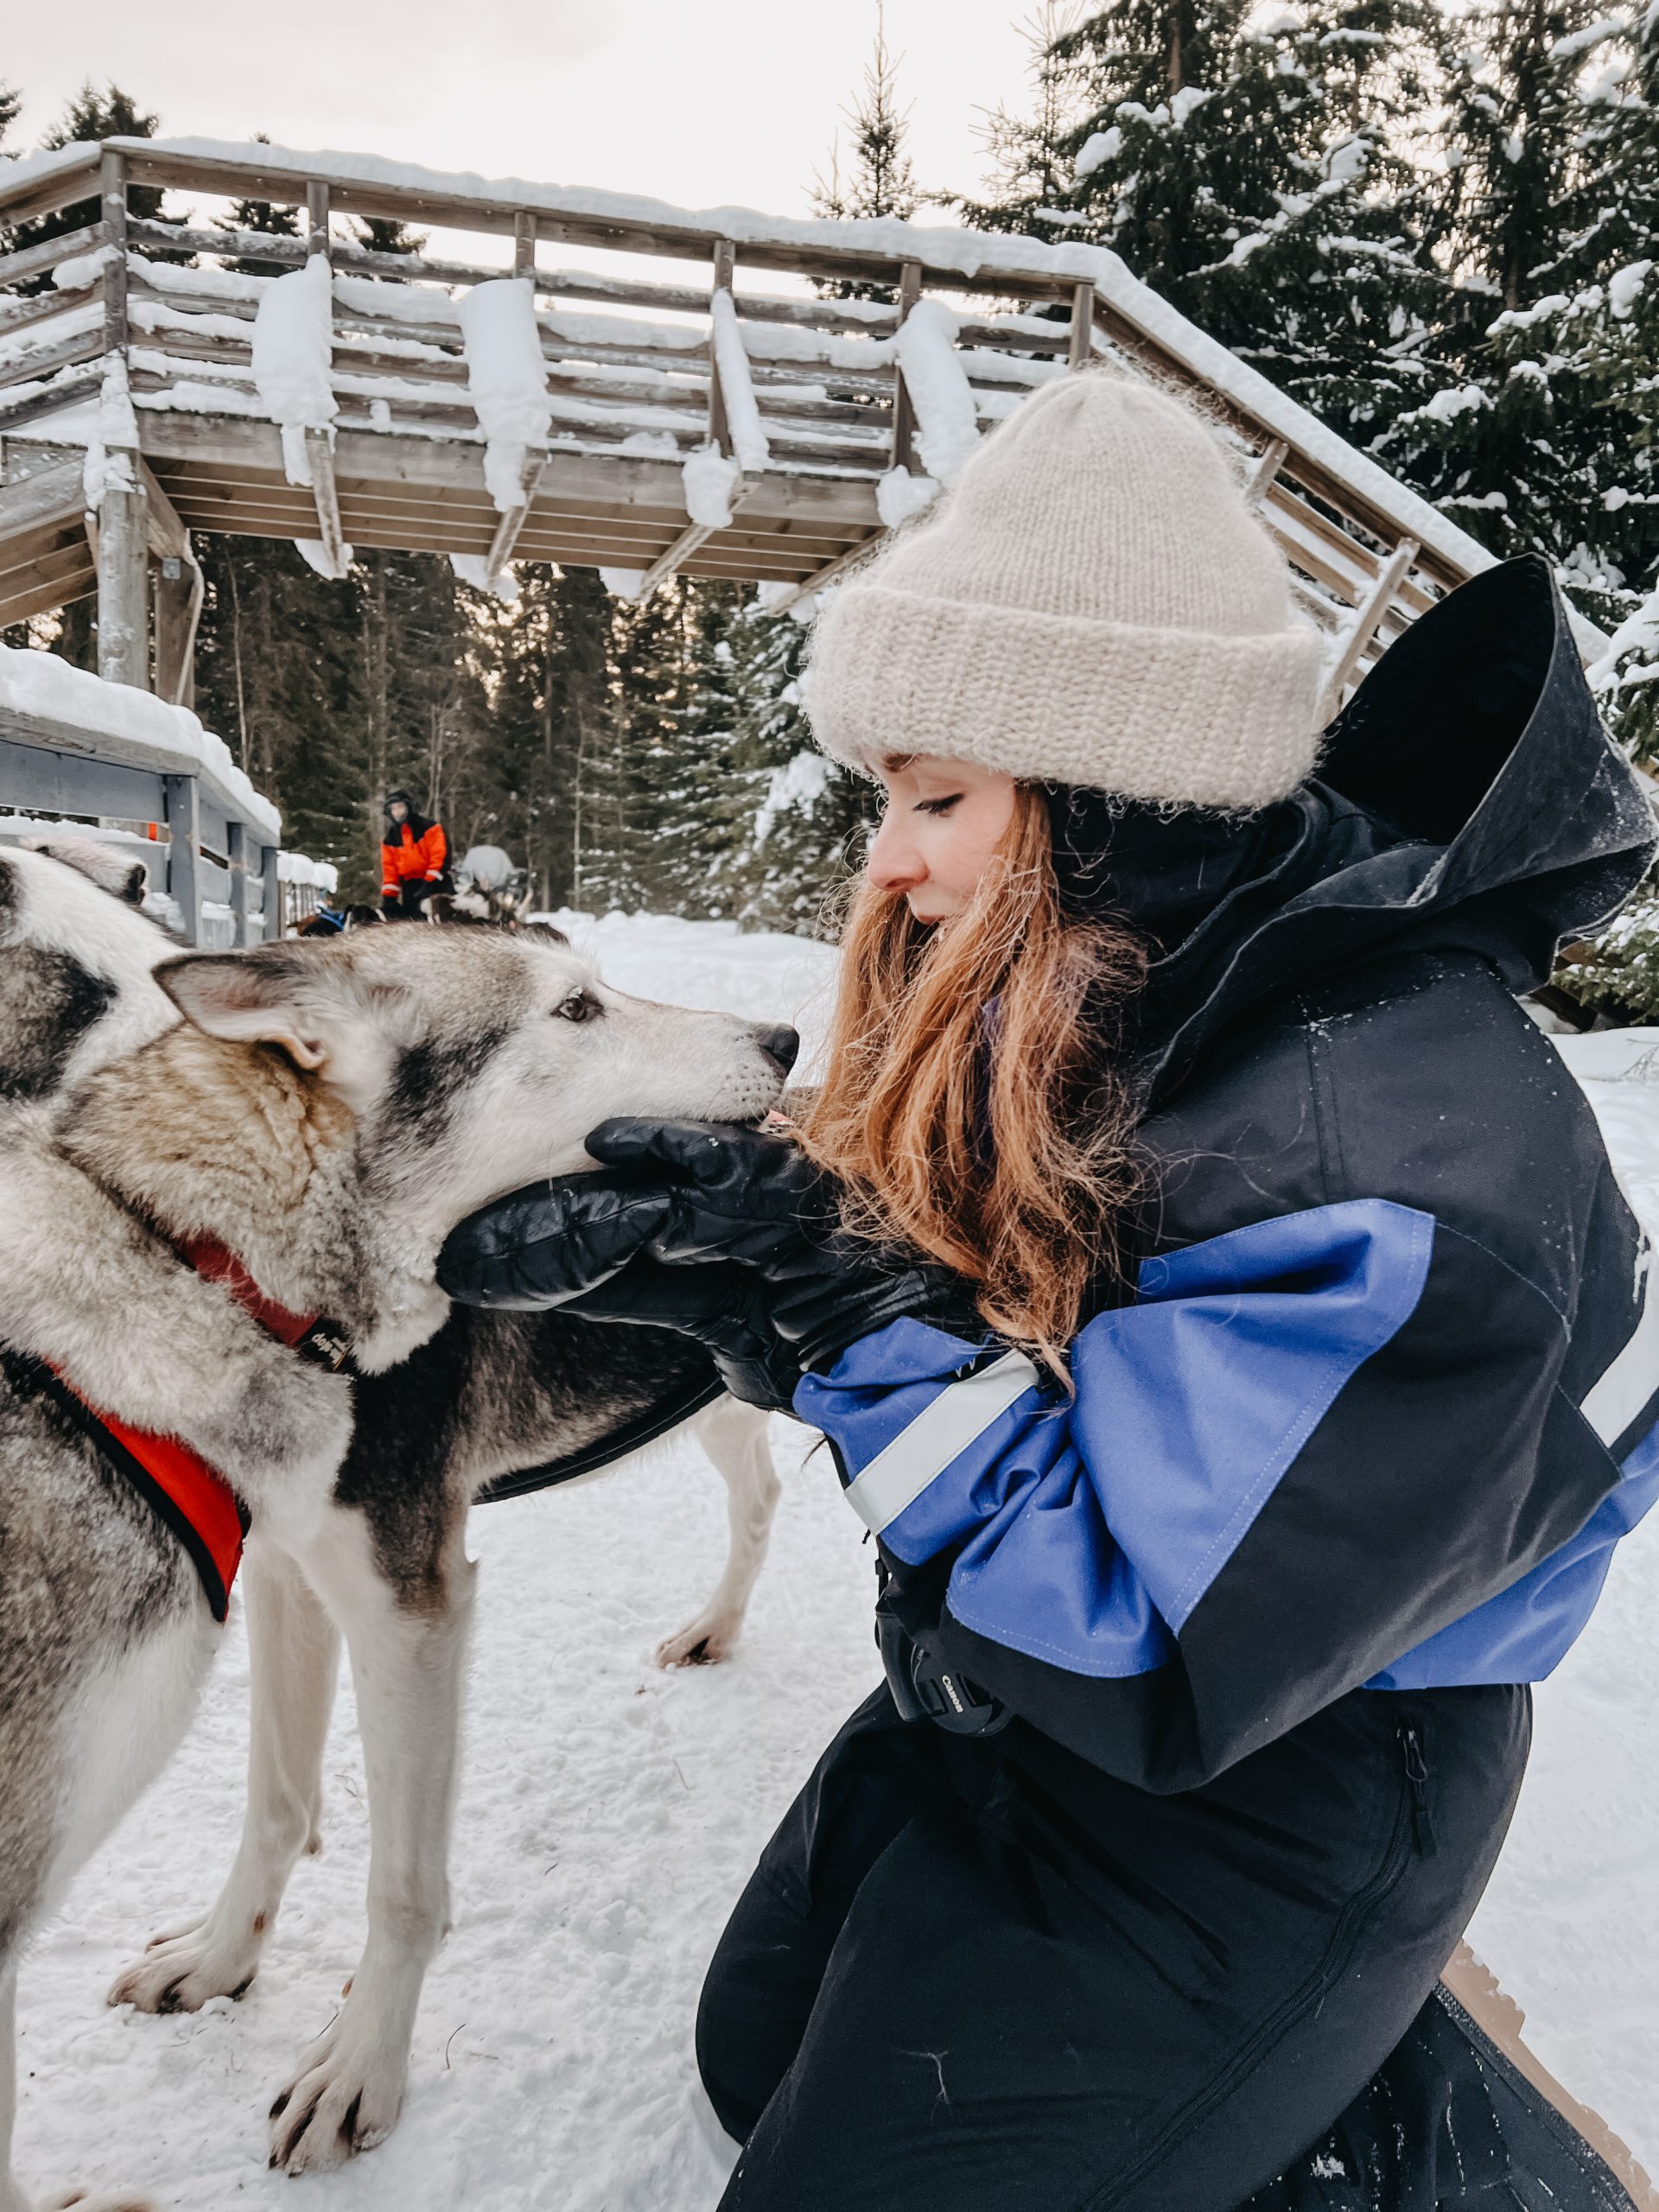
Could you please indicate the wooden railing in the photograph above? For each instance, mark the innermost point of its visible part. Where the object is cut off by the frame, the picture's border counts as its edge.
(815, 401)
(203, 843)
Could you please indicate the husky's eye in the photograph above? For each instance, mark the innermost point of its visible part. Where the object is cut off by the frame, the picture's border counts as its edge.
(581, 1006)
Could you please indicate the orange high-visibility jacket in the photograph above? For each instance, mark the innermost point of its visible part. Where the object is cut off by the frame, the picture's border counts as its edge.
(412, 858)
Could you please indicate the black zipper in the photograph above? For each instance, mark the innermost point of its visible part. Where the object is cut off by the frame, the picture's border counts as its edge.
(1411, 1824)
(1422, 1820)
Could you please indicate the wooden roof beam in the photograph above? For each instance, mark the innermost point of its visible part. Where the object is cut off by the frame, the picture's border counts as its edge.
(853, 558)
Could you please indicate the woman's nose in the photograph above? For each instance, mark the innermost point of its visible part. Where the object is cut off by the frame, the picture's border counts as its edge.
(894, 864)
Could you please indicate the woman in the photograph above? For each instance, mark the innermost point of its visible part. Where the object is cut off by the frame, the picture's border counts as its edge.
(1218, 1305)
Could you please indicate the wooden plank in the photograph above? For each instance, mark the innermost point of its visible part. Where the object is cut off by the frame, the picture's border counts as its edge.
(46, 557)
(53, 779)
(319, 452)
(612, 481)
(39, 598)
(671, 558)
(46, 306)
(75, 180)
(180, 589)
(316, 218)
(51, 495)
(1364, 626)
(50, 402)
(169, 539)
(902, 436)
(550, 283)
(523, 246)
(510, 523)
(184, 870)
(1080, 347)
(68, 352)
(150, 163)
(853, 558)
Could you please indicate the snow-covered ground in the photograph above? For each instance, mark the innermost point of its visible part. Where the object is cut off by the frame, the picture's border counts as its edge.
(609, 1814)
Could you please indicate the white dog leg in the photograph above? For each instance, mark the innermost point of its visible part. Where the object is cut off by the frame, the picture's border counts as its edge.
(408, 1661)
(294, 1658)
(735, 1437)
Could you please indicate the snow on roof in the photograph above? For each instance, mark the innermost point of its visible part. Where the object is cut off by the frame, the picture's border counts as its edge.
(34, 682)
(968, 253)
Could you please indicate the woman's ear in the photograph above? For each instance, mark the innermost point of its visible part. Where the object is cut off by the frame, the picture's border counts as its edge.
(271, 994)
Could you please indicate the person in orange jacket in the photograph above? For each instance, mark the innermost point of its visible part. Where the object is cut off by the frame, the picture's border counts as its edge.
(413, 853)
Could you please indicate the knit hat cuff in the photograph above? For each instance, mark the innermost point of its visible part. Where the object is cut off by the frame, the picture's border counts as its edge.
(1177, 716)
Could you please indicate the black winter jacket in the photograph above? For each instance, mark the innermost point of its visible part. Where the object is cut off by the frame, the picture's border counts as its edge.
(1384, 1396)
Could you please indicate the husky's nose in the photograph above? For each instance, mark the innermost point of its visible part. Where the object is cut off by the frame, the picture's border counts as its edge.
(781, 1046)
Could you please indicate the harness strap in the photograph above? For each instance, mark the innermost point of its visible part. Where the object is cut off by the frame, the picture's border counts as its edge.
(195, 1501)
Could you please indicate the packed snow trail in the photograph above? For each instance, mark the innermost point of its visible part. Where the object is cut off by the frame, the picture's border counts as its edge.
(610, 1813)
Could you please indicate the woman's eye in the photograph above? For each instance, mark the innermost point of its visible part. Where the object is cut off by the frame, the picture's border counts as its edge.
(581, 1006)
(938, 805)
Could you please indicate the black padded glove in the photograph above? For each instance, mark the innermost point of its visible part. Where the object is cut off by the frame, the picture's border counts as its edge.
(718, 1231)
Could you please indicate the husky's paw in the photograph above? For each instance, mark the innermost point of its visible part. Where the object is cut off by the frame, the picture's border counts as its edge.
(183, 1968)
(346, 2098)
(708, 1641)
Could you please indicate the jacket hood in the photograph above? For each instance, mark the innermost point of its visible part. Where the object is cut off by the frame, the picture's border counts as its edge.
(1468, 798)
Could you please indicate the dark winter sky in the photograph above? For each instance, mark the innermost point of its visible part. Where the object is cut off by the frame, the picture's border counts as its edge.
(696, 101)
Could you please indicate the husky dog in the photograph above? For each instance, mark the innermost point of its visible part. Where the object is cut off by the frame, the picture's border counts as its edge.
(327, 1112)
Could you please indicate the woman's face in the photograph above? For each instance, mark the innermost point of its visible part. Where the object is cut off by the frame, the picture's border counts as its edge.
(945, 822)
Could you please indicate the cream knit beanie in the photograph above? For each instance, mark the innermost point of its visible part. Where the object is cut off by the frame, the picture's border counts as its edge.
(1092, 602)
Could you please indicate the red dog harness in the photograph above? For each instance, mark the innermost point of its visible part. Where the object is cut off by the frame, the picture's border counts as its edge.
(195, 1499)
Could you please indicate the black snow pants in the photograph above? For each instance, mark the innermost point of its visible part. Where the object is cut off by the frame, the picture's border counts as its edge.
(977, 1975)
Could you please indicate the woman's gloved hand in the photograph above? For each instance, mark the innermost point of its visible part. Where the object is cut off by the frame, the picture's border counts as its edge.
(721, 1232)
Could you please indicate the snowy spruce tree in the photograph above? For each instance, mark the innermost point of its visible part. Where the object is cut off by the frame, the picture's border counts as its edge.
(878, 180)
(1499, 444)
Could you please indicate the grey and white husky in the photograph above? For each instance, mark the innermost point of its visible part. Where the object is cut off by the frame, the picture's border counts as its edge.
(328, 1111)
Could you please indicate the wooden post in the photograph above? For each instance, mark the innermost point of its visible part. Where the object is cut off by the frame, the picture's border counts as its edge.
(523, 246)
(1082, 348)
(113, 182)
(123, 543)
(719, 428)
(236, 837)
(123, 585)
(316, 219)
(271, 901)
(1269, 462)
(184, 839)
(902, 451)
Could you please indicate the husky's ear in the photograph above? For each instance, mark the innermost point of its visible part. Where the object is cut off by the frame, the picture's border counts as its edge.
(271, 994)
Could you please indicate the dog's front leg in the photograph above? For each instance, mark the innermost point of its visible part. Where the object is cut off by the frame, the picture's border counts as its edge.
(408, 1644)
(294, 1659)
(735, 1437)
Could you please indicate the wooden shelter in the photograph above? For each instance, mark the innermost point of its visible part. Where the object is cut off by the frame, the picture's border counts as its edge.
(134, 410)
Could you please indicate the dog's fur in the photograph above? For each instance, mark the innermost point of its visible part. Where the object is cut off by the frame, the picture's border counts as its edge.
(329, 1111)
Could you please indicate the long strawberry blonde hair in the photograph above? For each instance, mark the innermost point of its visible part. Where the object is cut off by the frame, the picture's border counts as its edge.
(971, 1106)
